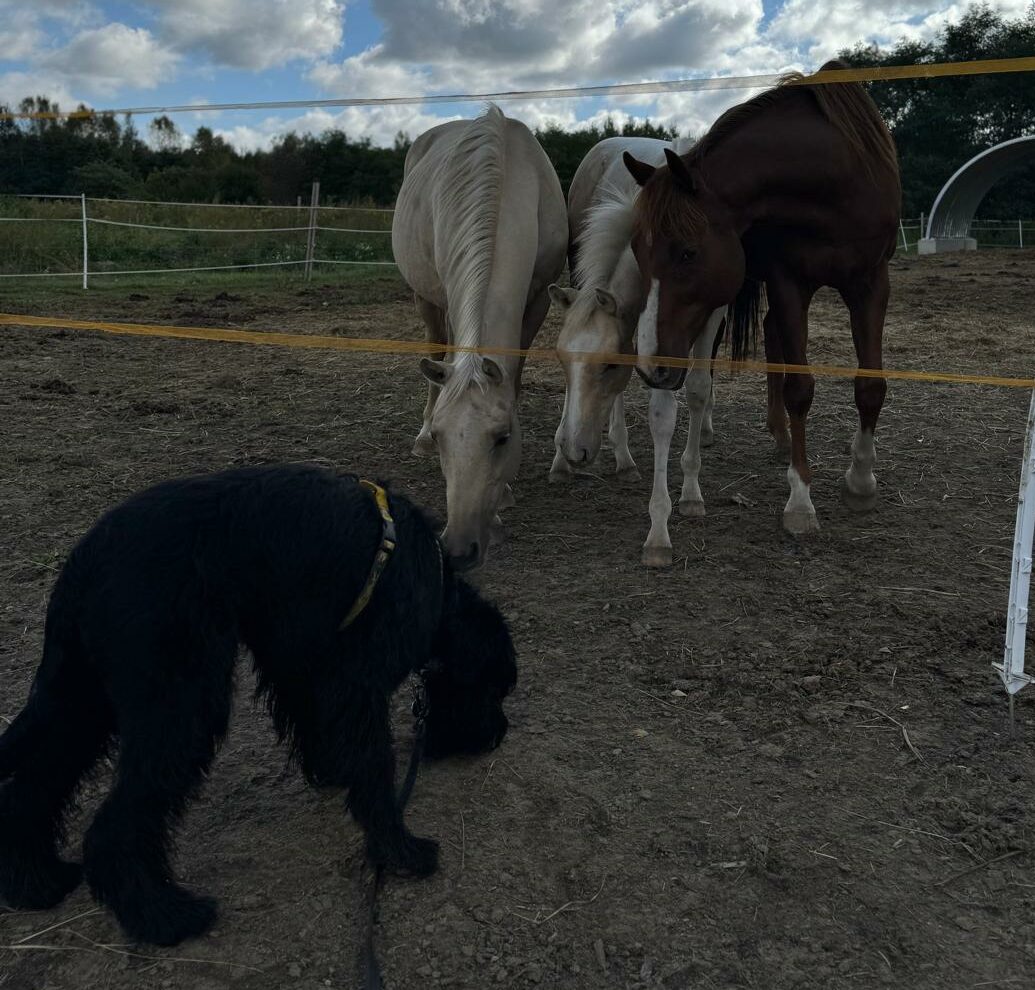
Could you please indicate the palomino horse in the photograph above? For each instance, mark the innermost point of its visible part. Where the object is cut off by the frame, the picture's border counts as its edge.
(797, 188)
(600, 318)
(479, 233)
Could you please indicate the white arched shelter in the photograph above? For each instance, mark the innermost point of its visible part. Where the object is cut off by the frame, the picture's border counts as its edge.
(949, 224)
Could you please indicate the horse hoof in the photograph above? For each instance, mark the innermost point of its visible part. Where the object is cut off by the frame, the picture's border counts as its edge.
(799, 522)
(424, 447)
(628, 474)
(692, 510)
(858, 502)
(657, 556)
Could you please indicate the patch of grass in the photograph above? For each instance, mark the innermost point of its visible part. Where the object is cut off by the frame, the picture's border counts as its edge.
(350, 286)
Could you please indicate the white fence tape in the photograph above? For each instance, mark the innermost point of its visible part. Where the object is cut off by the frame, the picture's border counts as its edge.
(215, 206)
(311, 228)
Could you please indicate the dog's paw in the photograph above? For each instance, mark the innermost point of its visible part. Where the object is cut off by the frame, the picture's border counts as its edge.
(39, 885)
(409, 856)
(168, 916)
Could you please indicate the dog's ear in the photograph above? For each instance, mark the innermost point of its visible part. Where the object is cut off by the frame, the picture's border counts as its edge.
(478, 648)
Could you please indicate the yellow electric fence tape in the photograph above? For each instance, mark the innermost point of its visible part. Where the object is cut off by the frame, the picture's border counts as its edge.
(379, 346)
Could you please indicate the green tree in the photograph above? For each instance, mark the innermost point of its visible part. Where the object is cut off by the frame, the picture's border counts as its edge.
(939, 124)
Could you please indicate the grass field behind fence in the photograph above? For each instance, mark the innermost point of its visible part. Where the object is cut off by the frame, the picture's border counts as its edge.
(44, 246)
(57, 247)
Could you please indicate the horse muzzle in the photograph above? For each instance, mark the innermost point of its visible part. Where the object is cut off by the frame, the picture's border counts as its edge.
(668, 379)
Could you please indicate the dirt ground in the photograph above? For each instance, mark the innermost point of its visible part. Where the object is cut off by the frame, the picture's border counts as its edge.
(834, 797)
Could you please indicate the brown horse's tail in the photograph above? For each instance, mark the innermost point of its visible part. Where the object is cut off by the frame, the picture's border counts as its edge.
(745, 318)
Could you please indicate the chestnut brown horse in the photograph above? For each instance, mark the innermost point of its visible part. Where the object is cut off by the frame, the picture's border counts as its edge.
(792, 190)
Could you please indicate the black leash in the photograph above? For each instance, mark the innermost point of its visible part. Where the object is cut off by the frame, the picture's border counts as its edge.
(368, 966)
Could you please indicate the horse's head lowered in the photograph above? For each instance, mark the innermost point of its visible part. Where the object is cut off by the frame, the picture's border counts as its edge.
(690, 258)
(593, 325)
(476, 429)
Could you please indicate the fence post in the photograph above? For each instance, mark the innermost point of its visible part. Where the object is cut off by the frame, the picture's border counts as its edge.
(86, 246)
(1020, 233)
(310, 248)
(1012, 668)
(902, 227)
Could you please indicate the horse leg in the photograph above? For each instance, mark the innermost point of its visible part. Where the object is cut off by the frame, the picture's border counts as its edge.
(776, 415)
(867, 309)
(657, 550)
(707, 428)
(698, 392)
(788, 318)
(437, 332)
(618, 434)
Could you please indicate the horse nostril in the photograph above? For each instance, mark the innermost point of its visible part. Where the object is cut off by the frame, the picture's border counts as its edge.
(464, 562)
(585, 455)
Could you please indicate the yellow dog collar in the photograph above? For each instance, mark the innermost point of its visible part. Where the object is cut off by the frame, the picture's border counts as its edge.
(381, 558)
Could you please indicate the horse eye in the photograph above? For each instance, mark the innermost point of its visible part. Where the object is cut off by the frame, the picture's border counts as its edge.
(686, 256)
(501, 440)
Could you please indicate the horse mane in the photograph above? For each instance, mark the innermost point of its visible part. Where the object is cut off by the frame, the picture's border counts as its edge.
(471, 200)
(663, 207)
(605, 235)
(847, 106)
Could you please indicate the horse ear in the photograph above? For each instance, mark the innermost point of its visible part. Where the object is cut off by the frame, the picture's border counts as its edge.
(606, 301)
(680, 173)
(492, 371)
(563, 297)
(640, 171)
(436, 372)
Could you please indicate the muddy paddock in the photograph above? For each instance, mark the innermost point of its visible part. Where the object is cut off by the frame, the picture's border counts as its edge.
(780, 763)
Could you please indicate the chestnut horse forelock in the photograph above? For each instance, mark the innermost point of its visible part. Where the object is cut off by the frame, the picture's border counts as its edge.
(663, 209)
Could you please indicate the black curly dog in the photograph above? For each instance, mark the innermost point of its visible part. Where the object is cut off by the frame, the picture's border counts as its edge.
(141, 639)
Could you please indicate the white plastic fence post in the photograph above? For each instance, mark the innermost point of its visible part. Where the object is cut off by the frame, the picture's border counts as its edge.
(310, 248)
(902, 227)
(86, 246)
(1011, 670)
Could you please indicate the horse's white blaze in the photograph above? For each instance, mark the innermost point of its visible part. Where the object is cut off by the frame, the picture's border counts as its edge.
(859, 477)
(575, 397)
(663, 407)
(647, 328)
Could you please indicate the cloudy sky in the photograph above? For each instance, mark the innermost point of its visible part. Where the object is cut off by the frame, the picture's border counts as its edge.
(119, 53)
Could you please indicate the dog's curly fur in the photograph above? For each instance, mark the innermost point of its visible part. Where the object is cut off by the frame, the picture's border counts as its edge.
(141, 639)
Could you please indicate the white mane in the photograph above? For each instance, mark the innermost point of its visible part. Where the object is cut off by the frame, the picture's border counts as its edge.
(470, 202)
(605, 235)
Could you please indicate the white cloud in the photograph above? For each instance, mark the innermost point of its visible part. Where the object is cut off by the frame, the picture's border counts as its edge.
(107, 59)
(369, 74)
(821, 30)
(252, 34)
(19, 39)
(380, 125)
(16, 86)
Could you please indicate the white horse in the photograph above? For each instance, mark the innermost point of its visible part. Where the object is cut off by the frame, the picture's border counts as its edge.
(602, 314)
(479, 233)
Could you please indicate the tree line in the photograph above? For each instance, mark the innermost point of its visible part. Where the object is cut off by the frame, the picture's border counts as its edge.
(938, 124)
